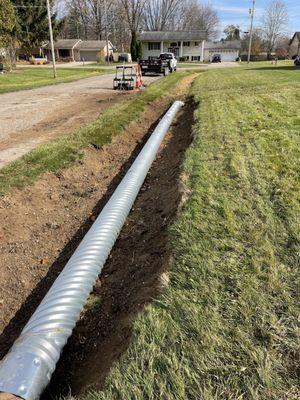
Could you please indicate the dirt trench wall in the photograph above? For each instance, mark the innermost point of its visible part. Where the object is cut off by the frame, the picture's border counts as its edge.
(43, 224)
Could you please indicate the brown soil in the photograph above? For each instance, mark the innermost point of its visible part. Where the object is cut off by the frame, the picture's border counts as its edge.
(37, 238)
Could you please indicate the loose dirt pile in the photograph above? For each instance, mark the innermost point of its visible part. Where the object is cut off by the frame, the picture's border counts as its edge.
(43, 224)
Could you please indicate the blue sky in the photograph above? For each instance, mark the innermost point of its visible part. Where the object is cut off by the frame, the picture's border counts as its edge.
(237, 12)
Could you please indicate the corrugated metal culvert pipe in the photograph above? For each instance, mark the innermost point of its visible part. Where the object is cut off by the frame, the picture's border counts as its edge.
(27, 368)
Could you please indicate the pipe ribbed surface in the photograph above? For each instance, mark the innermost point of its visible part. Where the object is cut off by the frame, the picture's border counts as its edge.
(26, 370)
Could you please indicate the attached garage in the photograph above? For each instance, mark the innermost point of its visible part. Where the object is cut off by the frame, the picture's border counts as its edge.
(226, 55)
(228, 50)
(93, 50)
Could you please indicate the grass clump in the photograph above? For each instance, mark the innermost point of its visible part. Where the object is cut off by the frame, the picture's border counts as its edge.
(62, 152)
(34, 77)
(227, 326)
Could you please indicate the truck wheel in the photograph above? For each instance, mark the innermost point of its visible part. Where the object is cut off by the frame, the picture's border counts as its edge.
(171, 70)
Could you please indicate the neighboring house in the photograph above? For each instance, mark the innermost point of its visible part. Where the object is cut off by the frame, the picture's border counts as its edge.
(78, 50)
(229, 50)
(63, 48)
(295, 45)
(183, 44)
(188, 46)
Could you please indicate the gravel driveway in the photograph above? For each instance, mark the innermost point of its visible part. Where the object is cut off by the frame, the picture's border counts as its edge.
(31, 117)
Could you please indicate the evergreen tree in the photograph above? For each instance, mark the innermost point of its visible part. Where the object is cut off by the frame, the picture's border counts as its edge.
(7, 22)
(139, 50)
(7, 25)
(133, 46)
(232, 32)
(32, 24)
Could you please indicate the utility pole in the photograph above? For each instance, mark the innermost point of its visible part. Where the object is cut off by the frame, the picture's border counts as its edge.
(251, 31)
(51, 38)
(106, 30)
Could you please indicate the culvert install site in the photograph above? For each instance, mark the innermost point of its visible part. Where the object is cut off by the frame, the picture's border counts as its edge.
(149, 202)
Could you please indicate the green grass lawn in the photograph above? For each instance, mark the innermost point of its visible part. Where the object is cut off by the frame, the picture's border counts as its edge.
(190, 64)
(30, 78)
(62, 152)
(226, 327)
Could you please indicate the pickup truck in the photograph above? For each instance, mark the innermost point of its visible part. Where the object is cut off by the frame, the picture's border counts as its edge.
(164, 64)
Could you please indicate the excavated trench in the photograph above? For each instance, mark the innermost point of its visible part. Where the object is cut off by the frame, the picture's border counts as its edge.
(130, 278)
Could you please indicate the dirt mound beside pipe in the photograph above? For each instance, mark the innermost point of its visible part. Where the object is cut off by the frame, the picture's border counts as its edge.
(43, 224)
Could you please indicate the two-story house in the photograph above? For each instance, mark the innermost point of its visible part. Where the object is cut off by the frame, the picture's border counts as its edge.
(187, 46)
(295, 45)
(184, 45)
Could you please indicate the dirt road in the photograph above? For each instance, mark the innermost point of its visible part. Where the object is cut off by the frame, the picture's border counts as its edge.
(31, 117)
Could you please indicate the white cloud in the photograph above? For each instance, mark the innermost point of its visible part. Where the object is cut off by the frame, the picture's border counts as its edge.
(233, 10)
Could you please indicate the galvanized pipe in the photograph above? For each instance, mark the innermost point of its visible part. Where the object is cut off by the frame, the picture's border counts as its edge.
(26, 370)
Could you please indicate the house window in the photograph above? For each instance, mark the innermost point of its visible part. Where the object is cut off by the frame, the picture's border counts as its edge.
(186, 44)
(196, 58)
(174, 44)
(154, 46)
(196, 44)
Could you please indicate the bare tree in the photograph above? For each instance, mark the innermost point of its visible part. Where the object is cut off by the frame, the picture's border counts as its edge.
(199, 16)
(258, 44)
(274, 22)
(232, 32)
(86, 19)
(133, 10)
(158, 14)
(78, 18)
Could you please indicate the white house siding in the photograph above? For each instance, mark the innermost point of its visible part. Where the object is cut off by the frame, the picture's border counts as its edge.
(179, 50)
(149, 53)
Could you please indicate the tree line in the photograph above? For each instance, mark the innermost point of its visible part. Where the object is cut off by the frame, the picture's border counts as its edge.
(23, 23)
(123, 19)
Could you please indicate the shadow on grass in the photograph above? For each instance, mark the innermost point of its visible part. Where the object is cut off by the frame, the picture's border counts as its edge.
(277, 68)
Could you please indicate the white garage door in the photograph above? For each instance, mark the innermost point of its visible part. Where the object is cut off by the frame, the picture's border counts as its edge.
(228, 55)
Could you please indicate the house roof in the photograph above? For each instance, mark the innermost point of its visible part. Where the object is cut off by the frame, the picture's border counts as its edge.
(63, 44)
(79, 44)
(92, 44)
(152, 36)
(225, 44)
(296, 34)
